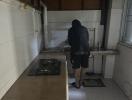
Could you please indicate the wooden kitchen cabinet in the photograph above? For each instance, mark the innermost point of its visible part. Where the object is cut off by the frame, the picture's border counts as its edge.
(91, 4)
(71, 4)
(52, 4)
(36, 4)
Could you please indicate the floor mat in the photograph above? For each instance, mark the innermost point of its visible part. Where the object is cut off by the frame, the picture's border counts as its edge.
(93, 83)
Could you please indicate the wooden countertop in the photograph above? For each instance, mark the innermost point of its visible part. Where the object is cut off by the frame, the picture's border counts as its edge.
(41, 87)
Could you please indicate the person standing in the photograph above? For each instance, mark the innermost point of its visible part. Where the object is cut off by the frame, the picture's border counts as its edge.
(78, 38)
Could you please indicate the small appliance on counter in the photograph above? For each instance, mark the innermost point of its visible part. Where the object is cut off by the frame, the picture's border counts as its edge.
(46, 67)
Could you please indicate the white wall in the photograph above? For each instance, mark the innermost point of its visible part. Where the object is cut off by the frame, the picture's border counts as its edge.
(18, 41)
(60, 21)
(117, 4)
(112, 34)
(123, 70)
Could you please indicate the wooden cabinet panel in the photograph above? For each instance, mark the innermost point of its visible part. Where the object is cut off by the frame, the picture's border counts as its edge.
(22, 1)
(71, 4)
(52, 4)
(36, 4)
(91, 4)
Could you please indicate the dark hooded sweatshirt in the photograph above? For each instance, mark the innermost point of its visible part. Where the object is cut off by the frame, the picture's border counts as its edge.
(78, 38)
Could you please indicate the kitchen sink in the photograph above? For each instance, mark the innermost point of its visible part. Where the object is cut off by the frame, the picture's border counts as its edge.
(46, 67)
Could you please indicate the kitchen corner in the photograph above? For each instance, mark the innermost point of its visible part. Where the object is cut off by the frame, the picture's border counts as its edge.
(47, 87)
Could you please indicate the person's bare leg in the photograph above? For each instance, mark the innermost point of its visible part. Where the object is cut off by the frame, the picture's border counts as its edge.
(77, 73)
(82, 76)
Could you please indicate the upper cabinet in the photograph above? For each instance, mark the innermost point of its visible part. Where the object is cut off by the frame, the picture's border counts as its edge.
(91, 4)
(56, 5)
(73, 4)
(52, 4)
(36, 4)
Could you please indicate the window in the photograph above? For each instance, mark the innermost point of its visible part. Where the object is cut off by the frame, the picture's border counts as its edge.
(127, 23)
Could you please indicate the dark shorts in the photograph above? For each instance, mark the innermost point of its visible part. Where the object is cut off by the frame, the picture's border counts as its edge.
(79, 61)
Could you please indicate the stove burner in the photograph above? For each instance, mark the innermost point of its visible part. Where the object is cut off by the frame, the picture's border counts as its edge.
(46, 67)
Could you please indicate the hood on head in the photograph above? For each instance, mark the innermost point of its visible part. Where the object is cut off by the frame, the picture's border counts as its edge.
(76, 23)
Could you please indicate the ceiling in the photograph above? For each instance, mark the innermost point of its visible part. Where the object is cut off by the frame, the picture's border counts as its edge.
(73, 4)
(58, 5)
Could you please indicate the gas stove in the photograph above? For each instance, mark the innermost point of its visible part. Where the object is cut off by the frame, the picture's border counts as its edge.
(46, 67)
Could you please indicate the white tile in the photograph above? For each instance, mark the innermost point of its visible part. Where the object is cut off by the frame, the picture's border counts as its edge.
(61, 21)
(109, 66)
(123, 69)
(68, 16)
(117, 4)
(110, 92)
(5, 23)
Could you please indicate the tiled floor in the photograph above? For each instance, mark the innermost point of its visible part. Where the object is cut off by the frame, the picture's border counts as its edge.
(110, 92)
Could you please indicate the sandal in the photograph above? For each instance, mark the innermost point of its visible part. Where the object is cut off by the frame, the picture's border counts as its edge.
(74, 85)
